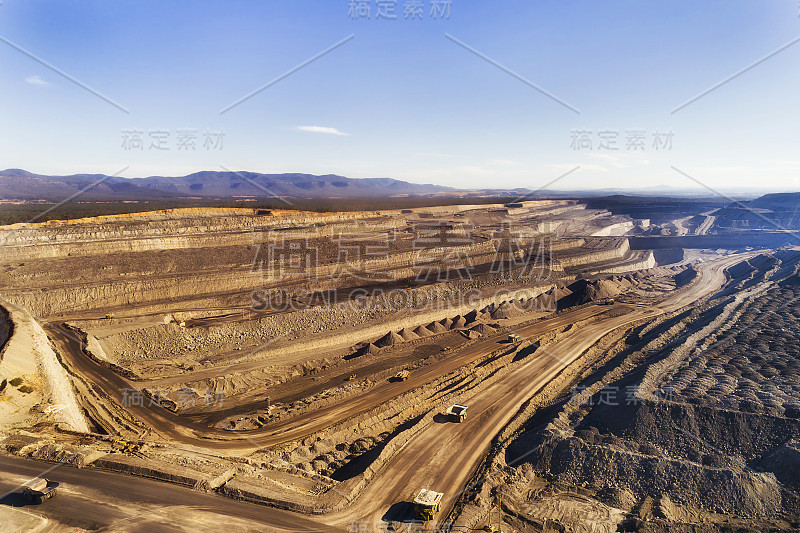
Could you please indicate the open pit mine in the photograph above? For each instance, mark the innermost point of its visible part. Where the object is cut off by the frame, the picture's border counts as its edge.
(537, 366)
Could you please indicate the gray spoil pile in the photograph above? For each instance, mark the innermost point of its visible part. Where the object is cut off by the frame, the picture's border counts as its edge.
(588, 291)
(458, 322)
(367, 349)
(507, 310)
(422, 331)
(407, 335)
(483, 329)
(436, 327)
(390, 339)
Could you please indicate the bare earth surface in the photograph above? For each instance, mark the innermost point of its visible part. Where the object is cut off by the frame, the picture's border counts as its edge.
(174, 372)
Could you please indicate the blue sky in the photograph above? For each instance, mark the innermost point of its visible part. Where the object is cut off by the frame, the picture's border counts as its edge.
(400, 99)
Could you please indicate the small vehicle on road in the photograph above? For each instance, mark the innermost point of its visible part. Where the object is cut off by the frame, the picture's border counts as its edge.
(606, 301)
(39, 489)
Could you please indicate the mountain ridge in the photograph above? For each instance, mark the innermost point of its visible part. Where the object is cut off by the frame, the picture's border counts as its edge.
(19, 184)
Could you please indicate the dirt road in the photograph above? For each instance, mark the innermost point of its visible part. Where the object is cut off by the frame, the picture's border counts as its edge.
(92, 500)
(443, 456)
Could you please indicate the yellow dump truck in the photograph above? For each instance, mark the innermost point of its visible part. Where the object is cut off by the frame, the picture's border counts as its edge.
(427, 504)
(402, 375)
(513, 338)
(606, 301)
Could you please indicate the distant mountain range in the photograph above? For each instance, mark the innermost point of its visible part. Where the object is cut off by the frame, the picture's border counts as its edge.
(16, 184)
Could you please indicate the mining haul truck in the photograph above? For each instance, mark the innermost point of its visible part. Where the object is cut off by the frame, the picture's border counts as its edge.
(39, 489)
(426, 504)
(457, 413)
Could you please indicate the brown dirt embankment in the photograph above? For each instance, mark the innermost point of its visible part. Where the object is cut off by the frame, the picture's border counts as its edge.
(28, 355)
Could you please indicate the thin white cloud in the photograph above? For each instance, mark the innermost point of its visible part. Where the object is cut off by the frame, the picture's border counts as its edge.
(475, 170)
(322, 129)
(37, 80)
(433, 154)
(455, 176)
(621, 161)
(783, 164)
(565, 167)
(604, 157)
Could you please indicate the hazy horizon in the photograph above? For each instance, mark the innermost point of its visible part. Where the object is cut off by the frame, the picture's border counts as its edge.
(657, 188)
